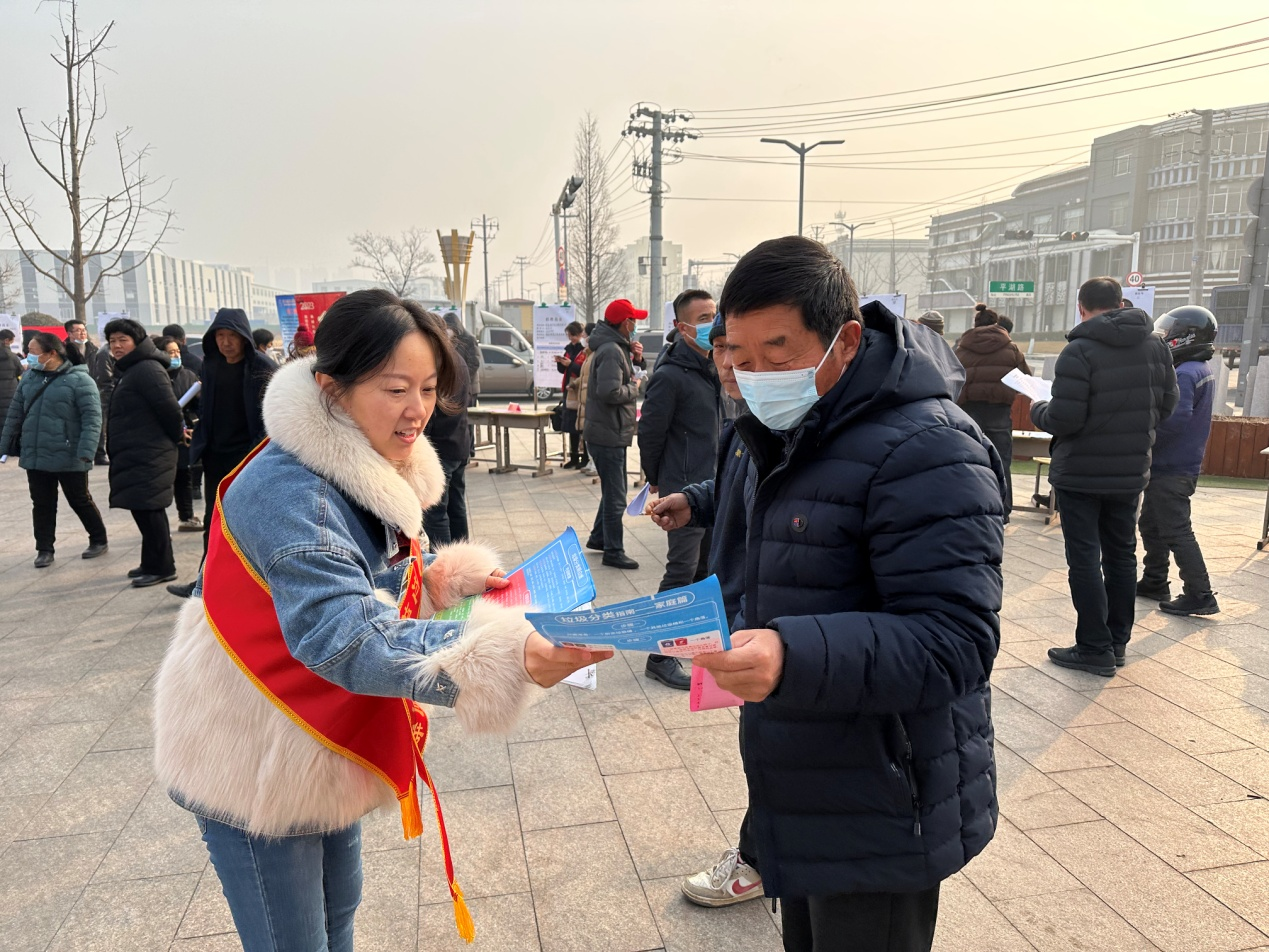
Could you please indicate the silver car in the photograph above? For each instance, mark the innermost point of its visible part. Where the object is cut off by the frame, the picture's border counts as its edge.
(502, 372)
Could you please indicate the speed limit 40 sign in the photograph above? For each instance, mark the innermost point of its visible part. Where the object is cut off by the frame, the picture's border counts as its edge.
(1136, 279)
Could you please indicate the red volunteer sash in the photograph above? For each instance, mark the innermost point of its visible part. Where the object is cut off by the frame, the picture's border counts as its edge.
(384, 735)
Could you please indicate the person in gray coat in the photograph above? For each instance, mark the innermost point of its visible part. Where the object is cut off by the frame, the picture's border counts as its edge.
(678, 439)
(56, 416)
(610, 423)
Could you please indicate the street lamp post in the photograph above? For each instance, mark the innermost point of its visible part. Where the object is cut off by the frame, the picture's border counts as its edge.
(850, 253)
(802, 150)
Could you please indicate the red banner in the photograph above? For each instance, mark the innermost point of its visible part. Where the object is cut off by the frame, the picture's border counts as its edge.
(309, 308)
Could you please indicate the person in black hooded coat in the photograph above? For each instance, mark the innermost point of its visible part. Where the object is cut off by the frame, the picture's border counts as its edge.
(146, 427)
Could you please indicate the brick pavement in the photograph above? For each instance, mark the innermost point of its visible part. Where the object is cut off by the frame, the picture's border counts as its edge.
(1134, 811)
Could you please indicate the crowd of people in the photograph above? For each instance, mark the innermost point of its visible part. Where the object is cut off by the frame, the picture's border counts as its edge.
(842, 471)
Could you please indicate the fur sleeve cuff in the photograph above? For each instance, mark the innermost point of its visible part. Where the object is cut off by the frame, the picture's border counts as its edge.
(459, 570)
(487, 664)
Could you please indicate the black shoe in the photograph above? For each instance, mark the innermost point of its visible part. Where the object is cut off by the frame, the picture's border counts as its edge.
(620, 561)
(1076, 659)
(95, 550)
(145, 581)
(43, 559)
(184, 590)
(1155, 591)
(1187, 604)
(668, 671)
(136, 573)
(1121, 655)
(592, 544)
(571, 464)
(198, 494)
(101, 459)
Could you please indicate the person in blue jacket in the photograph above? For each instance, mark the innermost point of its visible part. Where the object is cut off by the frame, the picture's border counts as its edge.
(872, 587)
(1179, 444)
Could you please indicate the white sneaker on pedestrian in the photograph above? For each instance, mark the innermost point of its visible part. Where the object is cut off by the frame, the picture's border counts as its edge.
(192, 524)
(728, 883)
(588, 471)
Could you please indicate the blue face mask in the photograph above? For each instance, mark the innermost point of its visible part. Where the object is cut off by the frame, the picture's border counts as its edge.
(781, 399)
(33, 361)
(174, 363)
(702, 335)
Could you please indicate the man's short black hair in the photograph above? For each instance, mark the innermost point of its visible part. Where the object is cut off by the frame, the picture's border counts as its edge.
(262, 337)
(590, 328)
(71, 323)
(687, 297)
(794, 272)
(1101, 294)
(176, 332)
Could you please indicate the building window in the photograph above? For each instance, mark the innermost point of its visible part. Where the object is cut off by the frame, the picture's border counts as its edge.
(1173, 153)
(1042, 224)
(1117, 214)
(1123, 163)
(1073, 219)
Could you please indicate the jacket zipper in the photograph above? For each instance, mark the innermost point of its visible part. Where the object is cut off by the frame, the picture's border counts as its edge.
(911, 774)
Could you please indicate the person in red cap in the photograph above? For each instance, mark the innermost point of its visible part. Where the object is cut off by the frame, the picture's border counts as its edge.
(302, 344)
(610, 422)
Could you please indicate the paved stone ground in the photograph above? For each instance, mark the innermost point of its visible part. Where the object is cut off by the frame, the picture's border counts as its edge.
(1134, 811)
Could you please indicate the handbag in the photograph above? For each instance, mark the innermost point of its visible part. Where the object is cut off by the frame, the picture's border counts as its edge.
(557, 417)
(16, 449)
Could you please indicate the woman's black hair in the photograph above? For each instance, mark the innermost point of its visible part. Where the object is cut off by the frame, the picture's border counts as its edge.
(359, 332)
(162, 340)
(124, 325)
(52, 344)
(984, 316)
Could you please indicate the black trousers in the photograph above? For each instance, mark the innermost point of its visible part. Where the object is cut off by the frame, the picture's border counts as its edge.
(1166, 530)
(156, 541)
(861, 922)
(686, 557)
(995, 422)
(446, 522)
(1100, 532)
(184, 490)
(43, 487)
(216, 466)
(610, 463)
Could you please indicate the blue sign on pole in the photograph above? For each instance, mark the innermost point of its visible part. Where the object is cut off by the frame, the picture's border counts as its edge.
(288, 318)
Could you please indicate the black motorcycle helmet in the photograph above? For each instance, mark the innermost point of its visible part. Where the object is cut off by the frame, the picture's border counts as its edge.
(1189, 331)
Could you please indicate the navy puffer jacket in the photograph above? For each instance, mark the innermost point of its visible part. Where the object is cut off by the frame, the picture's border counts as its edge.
(874, 546)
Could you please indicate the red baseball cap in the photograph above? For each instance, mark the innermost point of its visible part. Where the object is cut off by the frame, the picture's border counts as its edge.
(621, 310)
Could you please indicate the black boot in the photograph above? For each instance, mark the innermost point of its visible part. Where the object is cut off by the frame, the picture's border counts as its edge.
(1155, 591)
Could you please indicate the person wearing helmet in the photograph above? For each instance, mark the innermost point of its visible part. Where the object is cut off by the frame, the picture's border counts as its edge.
(1180, 441)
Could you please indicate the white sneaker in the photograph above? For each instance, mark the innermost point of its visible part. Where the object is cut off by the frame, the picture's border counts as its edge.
(192, 524)
(728, 883)
(588, 470)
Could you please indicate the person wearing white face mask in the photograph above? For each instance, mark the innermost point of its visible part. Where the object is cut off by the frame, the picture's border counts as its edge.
(868, 624)
(678, 442)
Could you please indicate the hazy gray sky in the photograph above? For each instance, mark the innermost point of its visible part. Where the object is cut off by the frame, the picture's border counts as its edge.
(287, 125)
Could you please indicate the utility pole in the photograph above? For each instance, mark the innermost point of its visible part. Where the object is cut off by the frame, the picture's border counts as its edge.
(801, 150)
(894, 271)
(568, 194)
(488, 229)
(521, 261)
(659, 129)
(1256, 293)
(1198, 258)
(850, 262)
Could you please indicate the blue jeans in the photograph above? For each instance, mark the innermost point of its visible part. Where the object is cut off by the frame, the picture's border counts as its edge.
(610, 464)
(290, 893)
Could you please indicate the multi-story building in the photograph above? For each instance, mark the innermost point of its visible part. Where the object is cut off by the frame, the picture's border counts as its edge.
(886, 265)
(636, 260)
(1132, 208)
(162, 290)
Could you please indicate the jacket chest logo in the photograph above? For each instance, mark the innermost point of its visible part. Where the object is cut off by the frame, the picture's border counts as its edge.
(799, 523)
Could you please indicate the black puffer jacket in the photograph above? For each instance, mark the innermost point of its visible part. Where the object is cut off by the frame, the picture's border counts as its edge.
(145, 427)
(678, 431)
(1112, 385)
(182, 379)
(611, 390)
(874, 546)
(255, 378)
(450, 433)
(10, 369)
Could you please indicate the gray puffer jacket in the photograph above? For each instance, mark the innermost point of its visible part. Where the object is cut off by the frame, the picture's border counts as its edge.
(60, 433)
(611, 391)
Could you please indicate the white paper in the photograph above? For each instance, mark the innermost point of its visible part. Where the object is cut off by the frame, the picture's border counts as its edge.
(1037, 388)
(191, 393)
(584, 678)
(637, 504)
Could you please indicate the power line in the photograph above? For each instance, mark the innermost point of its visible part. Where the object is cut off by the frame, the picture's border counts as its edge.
(982, 79)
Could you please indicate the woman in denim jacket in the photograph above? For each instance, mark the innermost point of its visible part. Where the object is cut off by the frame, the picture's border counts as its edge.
(319, 515)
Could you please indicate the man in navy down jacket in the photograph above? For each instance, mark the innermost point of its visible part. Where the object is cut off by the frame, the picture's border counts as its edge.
(870, 608)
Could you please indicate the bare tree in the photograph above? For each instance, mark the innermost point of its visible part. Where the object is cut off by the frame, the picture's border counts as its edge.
(104, 228)
(595, 263)
(9, 286)
(395, 262)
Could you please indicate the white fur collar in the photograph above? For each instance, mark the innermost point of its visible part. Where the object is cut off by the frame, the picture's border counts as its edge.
(321, 436)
